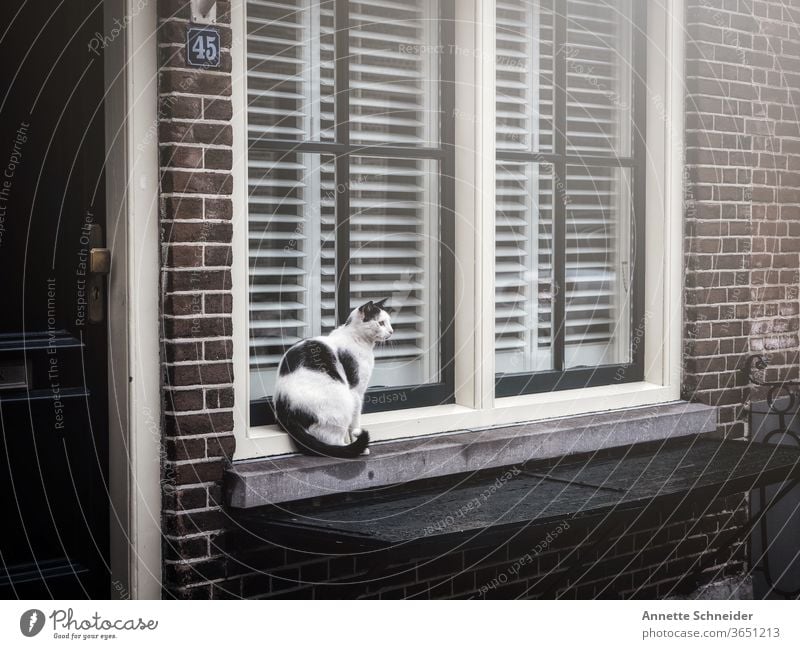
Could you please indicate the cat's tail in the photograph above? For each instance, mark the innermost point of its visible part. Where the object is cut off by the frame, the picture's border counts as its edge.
(307, 443)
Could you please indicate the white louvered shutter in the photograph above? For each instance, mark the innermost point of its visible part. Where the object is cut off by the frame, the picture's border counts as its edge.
(290, 97)
(598, 212)
(598, 206)
(394, 202)
(524, 190)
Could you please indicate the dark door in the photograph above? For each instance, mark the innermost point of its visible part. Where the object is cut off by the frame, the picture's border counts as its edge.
(53, 395)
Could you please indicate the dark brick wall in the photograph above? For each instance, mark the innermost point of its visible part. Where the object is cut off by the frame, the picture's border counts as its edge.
(742, 261)
(743, 197)
(647, 560)
(195, 140)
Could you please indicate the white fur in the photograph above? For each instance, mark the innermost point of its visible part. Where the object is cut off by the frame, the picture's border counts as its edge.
(335, 404)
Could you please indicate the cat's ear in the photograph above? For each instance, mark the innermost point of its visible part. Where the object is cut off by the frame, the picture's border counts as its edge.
(382, 305)
(371, 310)
(366, 310)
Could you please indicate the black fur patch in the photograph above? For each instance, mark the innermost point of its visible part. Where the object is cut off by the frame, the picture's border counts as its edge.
(371, 310)
(296, 422)
(286, 415)
(350, 367)
(313, 355)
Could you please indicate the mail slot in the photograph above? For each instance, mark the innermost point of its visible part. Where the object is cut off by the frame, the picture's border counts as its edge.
(13, 376)
(36, 364)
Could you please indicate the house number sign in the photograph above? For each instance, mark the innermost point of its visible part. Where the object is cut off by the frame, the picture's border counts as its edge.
(202, 47)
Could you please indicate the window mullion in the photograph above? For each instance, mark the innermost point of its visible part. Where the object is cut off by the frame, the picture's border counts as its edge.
(341, 116)
(447, 259)
(312, 246)
(473, 186)
(486, 220)
(560, 185)
(640, 155)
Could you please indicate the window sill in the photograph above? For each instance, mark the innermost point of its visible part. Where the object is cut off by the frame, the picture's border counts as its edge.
(253, 483)
(263, 441)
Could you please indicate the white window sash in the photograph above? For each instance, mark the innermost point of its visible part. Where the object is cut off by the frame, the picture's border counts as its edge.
(475, 404)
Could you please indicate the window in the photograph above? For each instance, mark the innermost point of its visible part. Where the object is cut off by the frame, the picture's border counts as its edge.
(569, 240)
(350, 159)
(483, 166)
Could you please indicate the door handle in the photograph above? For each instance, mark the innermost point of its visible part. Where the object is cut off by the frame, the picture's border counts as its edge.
(99, 267)
(100, 261)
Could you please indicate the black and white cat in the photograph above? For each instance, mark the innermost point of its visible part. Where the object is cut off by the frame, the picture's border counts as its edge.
(321, 382)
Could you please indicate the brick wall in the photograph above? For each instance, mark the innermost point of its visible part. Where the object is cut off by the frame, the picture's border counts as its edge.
(195, 207)
(648, 560)
(742, 217)
(743, 197)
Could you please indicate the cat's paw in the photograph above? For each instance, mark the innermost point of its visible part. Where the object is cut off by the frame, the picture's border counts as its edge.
(354, 435)
(366, 452)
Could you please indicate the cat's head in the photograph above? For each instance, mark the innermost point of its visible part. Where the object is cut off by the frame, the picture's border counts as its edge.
(372, 321)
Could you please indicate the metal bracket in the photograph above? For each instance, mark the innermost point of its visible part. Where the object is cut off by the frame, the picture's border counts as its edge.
(204, 11)
(776, 389)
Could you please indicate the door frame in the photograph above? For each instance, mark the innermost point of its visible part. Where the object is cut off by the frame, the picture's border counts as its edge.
(131, 130)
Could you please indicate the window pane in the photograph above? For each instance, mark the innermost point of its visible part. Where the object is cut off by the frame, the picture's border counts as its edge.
(523, 267)
(290, 70)
(394, 204)
(395, 243)
(291, 213)
(393, 72)
(599, 77)
(598, 266)
(524, 75)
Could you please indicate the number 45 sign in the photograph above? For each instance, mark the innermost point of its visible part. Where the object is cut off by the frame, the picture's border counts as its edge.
(202, 47)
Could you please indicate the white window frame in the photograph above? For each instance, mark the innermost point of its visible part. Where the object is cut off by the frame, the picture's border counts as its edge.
(475, 404)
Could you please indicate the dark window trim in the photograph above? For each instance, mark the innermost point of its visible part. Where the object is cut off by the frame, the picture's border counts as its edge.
(515, 384)
(381, 399)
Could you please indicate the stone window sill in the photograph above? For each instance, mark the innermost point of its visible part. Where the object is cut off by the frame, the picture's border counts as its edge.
(252, 483)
